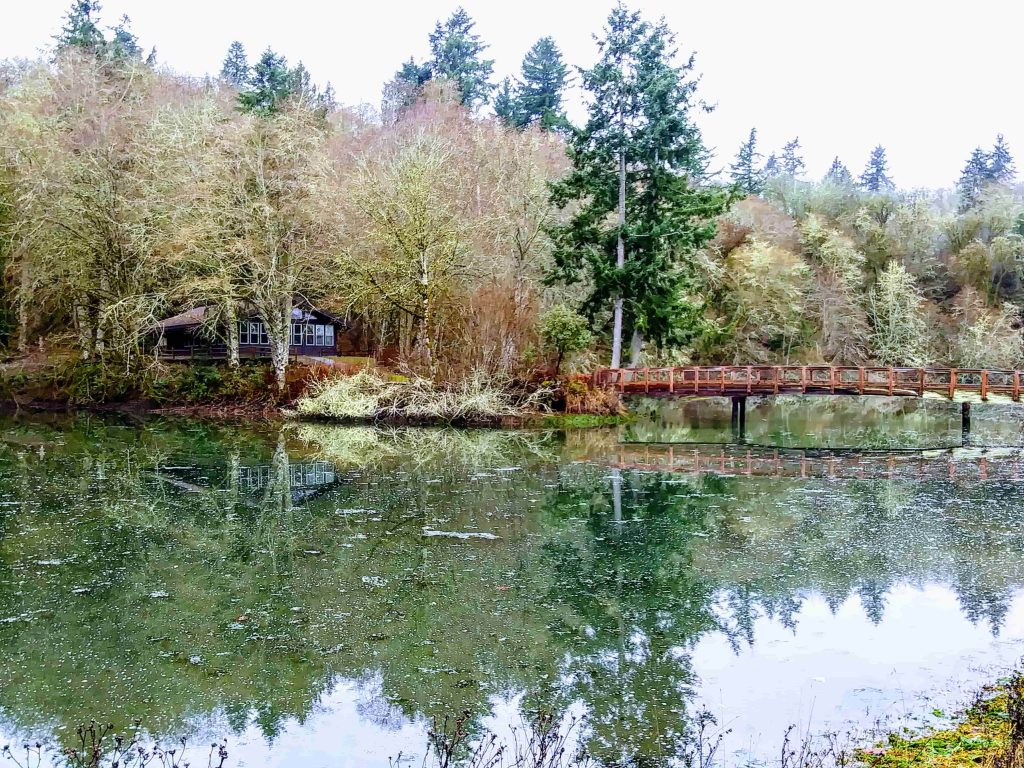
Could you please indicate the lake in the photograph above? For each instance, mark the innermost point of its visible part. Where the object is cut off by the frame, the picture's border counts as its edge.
(319, 595)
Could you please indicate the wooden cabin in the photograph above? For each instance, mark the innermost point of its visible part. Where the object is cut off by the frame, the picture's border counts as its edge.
(314, 333)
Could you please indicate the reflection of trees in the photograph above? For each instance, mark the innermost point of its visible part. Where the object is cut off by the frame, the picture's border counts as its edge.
(595, 592)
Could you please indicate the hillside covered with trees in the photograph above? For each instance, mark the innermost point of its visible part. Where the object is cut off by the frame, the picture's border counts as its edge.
(468, 225)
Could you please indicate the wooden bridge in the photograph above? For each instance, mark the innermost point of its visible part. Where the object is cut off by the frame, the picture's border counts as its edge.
(767, 380)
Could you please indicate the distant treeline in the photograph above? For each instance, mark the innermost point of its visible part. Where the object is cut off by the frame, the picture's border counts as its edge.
(468, 238)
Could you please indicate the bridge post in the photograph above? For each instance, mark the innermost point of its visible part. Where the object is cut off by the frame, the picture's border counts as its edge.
(739, 417)
(965, 422)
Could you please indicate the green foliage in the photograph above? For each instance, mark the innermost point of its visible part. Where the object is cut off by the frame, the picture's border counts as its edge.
(564, 332)
(982, 170)
(506, 103)
(792, 162)
(81, 28)
(269, 86)
(402, 91)
(899, 327)
(988, 338)
(456, 53)
(838, 173)
(744, 171)
(768, 302)
(875, 178)
(640, 133)
(235, 70)
(541, 86)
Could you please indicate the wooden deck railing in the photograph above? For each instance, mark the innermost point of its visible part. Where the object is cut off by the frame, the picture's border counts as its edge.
(810, 380)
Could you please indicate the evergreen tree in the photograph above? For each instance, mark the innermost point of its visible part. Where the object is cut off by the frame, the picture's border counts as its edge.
(1001, 169)
(404, 89)
(270, 85)
(973, 179)
(771, 166)
(838, 173)
(876, 173)
(506, 103)
(639, 159)
(744, 172)
(124, 44)
(792, 163)
(81, 28)
(456, 53)
(235, 70)
(544, 76)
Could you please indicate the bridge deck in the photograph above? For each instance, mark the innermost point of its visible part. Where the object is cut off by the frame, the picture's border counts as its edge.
(810, 380)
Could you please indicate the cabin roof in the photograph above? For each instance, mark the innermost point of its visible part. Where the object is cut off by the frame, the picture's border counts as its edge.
(197, 315)
(194, 316)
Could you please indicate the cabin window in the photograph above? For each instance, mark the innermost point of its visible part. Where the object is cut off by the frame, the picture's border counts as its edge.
(296, 334)
(319, 335)
(252, 332)
(328, 335)
(310, 336)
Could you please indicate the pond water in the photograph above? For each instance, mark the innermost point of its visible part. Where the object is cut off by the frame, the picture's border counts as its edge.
(317, 595)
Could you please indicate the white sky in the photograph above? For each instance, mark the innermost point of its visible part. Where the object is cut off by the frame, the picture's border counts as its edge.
(929, 80)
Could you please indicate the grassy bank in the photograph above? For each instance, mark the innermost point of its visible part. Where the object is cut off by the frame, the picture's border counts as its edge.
(989, 733)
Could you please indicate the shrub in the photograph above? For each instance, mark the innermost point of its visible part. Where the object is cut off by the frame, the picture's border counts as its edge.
(367, 396)
(564, 332)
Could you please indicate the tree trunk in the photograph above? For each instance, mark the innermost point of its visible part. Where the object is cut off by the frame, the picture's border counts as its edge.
(84, 328)
(425, 317)
(278, 330)
(620, 262)
(23, 316)
(635, 348)
(231, 319)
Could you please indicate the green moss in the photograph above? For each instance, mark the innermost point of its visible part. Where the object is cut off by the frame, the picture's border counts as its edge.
(978, 739)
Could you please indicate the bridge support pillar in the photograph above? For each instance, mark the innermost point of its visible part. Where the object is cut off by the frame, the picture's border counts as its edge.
(965, 422)
(739, 417)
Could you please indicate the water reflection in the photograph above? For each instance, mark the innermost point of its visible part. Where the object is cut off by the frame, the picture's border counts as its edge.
(327, 591)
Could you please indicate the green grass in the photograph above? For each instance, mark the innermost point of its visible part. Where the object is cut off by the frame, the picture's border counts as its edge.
(582, 421)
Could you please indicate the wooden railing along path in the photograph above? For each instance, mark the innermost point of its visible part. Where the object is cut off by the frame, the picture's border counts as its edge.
(741, 380)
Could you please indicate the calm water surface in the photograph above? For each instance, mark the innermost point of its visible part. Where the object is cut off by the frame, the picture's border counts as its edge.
(317, 594)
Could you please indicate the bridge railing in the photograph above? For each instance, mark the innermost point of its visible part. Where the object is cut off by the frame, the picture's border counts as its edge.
(810, 379)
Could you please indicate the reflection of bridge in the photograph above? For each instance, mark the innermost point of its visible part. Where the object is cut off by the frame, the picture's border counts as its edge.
(740, 380)
(720, 460)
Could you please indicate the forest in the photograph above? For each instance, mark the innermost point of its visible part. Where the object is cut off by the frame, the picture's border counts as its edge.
(469, 225)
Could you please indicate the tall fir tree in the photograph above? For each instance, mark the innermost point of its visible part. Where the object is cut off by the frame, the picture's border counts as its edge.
(235, 70)
(745, 174)
(792, 162)
(81, 28)
(973, 178)
(875, 177)
(457, 54)
(270, 85)
(638, 162)
(506, 103)
(542, 85)
(124, 44)
(838, 173)
(1001, 168)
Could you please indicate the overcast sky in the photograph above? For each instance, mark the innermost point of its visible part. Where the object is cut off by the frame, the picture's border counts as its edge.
(928, 80)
